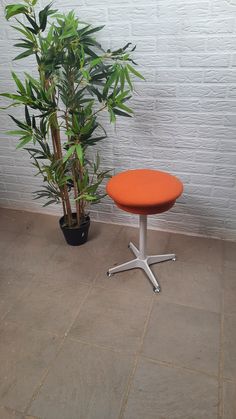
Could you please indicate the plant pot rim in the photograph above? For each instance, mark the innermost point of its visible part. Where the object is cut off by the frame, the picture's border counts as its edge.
(85, 221)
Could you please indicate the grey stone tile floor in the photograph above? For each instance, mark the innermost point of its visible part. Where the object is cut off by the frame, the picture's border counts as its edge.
(75, 344)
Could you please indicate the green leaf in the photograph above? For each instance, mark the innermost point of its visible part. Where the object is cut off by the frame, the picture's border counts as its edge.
(34, 122)
(127, 46)
(19, 123)
(69, 132)
(24, 140)
(112, 116)
(24, 54)
(52, 201)
(122, 96)
(79, 152)
(124, 107)
(98, 28)
(120, 113)
(128, 78)
(43, 16)
(27, 116)
(95, 62)
(122, 79)
(70, 151)
(113, 77)
(95, 91)
(13, 97)
(87, 197)
(91, 41)
(15, 9)
(135, 72)
(18, 83)
(24, 31)
(33, 24)
(97, 161)
(75, 123)
(90, 52)
(94, 140)
(15, 132)
(85, 73)
(26, 45)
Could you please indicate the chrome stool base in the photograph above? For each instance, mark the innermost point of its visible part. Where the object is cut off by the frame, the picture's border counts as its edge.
(142, 261)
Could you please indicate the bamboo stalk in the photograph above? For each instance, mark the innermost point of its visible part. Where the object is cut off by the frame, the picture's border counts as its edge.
(76, 195)
(56, 142)
(64, 208)
(74, 166)
(56, 138)
(76, 192)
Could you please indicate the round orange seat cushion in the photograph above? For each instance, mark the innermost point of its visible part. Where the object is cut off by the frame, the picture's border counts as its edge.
(144, 191)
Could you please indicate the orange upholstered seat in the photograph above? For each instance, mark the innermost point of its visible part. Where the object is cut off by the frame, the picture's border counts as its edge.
(144, 191)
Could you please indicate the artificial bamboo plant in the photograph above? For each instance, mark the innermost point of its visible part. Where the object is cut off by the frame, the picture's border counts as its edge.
(77, 79)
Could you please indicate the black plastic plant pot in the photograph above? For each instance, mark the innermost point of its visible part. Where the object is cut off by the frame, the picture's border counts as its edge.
(75, 236)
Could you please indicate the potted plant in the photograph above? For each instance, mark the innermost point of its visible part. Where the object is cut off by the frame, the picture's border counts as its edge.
(77, 80)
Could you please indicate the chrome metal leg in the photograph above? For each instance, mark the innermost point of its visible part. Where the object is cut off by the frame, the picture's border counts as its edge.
(152, 278)
(131, 264)
(160, 258)
(134, 249)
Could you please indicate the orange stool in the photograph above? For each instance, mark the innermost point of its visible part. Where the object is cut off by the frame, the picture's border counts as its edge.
(144, 192)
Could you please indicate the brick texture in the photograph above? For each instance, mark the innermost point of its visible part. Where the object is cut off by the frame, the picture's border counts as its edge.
(185, 111)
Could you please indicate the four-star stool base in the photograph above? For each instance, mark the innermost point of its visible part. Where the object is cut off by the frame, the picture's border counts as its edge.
(142, 260)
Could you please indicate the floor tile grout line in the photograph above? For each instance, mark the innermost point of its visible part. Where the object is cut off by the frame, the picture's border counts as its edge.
(60, 346)
(221, 358)
(125, 291)
(229, 380)
(12, 410)
(188, 306)
(125, 397)
(136, 360)
(103, 347)
(165, 299)
(179, 367)
(36, 329)
(43, 378)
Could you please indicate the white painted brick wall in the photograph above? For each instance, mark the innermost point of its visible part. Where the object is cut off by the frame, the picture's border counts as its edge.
(185, 112)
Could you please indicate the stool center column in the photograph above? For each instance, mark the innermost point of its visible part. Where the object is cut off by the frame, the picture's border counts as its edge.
(142, 236)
